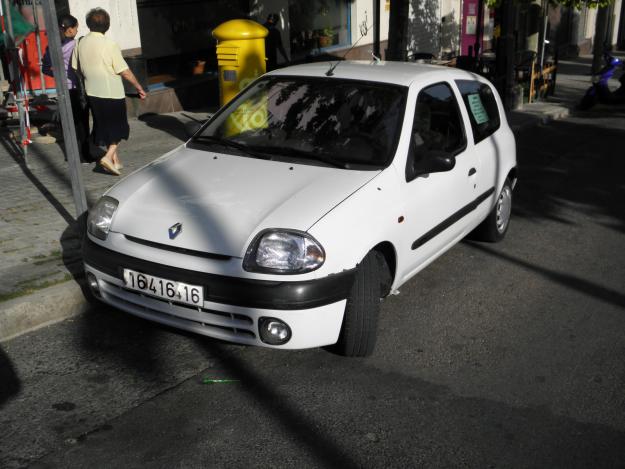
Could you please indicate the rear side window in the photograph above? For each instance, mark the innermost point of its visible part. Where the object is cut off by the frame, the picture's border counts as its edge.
(481, 106)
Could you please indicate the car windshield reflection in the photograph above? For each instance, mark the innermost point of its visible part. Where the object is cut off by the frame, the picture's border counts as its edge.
(341, 123)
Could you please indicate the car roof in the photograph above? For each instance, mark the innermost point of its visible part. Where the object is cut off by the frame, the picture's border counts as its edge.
(399, 73)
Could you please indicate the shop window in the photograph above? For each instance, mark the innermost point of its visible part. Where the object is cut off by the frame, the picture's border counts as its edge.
(316, 25)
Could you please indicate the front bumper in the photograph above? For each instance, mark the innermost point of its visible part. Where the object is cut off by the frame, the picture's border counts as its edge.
(313, 309)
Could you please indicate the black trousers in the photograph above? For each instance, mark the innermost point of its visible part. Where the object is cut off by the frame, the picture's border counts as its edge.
(81, 123)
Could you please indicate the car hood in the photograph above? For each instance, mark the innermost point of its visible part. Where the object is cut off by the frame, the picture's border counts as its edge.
(222, 200)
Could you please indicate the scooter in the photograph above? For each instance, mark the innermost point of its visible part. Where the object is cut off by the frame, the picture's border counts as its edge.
(599, 90)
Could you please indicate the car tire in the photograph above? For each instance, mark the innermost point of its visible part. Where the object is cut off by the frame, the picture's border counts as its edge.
(493, 229)
(360, 321)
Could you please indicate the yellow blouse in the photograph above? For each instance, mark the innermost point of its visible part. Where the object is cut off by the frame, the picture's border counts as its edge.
(101, 62)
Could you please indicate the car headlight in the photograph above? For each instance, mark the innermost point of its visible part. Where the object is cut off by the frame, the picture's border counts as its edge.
(100, 217)
(283, 252)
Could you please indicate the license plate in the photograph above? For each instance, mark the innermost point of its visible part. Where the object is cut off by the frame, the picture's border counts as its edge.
(164, 288)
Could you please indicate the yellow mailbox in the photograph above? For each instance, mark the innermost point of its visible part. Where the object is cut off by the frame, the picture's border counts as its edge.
(240, 55)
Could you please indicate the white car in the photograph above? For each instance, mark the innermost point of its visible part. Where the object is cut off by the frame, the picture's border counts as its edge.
(316, 192)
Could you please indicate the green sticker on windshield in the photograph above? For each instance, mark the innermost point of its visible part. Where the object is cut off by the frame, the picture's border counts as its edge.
(477, 108)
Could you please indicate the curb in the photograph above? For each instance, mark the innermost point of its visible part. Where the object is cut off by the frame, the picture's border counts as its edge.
(40, 309)
(528, 118)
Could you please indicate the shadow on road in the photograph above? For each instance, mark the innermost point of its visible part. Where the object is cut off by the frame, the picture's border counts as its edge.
(15, 152)
(278, 407)
(308, 409)
(71, 252)
(166, 123)
(10, 384)
(122, 339)
(568, 163)
(575, 283)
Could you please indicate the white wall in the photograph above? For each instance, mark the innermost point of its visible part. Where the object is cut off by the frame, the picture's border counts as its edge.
(590, 21)
(124, 20)
(424, 27)
(363, 9)
(615, 20)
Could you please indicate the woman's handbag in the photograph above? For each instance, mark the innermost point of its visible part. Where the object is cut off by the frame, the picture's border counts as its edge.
(80, 81)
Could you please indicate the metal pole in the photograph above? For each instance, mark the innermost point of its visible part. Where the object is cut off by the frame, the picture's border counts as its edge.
(505, 81)
(42, 78)
(598, 46)
(19, 92)
(545, 6)
(65, 108)
(376, 28)
(4, 37)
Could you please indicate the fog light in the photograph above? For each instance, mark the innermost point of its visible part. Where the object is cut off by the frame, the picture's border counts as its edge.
(273, 331)
(92, 281)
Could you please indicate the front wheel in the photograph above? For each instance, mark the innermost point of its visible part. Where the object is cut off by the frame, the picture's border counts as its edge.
(493, 229)
(359, 329)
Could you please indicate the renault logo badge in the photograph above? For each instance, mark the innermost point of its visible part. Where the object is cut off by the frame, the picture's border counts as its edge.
(175, 230)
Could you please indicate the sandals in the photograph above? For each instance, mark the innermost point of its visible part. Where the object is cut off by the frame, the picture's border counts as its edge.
(109, 167)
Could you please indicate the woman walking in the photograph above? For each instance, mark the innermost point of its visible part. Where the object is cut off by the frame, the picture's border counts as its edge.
(101, 63)
(68, 26)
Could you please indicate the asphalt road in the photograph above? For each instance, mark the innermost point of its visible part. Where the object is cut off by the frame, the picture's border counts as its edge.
(507, 355)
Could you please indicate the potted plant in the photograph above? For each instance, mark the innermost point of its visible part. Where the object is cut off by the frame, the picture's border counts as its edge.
(326, 36)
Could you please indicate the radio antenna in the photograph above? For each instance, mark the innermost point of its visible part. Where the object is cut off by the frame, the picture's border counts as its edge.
(364, 29)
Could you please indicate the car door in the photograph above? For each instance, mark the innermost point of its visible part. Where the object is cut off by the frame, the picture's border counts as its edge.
(483, 113)
(436, 202)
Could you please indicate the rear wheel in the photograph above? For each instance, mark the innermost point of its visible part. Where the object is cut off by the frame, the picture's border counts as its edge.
(358, 332)
(494, 228)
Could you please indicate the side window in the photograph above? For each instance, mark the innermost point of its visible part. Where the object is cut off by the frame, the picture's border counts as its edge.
(481, 106)
(437, 122)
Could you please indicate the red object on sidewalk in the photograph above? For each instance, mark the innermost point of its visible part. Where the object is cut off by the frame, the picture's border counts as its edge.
(31, 62)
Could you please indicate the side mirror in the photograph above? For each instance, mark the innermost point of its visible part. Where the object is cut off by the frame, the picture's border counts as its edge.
(422, 161)
(438, 161)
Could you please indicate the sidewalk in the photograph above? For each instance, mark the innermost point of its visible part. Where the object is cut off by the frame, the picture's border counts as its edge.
(39, 246)
(40, 270)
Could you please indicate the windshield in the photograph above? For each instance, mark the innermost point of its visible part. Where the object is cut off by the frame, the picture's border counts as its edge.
(343, 123)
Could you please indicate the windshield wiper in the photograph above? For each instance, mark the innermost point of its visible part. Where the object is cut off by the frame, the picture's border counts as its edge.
(288, 151)
(231, 144)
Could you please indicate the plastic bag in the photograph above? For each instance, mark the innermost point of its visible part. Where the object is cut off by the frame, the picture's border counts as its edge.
(21, 27)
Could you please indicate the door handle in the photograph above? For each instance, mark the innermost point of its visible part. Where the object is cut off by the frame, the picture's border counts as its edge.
(472, 171)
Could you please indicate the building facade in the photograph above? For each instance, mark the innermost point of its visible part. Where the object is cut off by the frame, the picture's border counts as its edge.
(169, 42)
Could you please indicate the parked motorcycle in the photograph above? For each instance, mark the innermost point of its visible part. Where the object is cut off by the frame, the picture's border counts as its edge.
(599, 90)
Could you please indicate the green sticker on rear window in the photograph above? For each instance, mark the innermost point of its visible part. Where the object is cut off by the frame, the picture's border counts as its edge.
(477, 108)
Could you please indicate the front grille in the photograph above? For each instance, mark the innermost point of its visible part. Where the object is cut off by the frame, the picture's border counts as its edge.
(210, 322)
(166, 247)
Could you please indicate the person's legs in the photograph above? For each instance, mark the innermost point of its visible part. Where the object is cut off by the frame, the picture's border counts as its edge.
(108, 160)
(111, 152)
(110, 126)
(85, 147)
(81, 124)
(115, 158)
